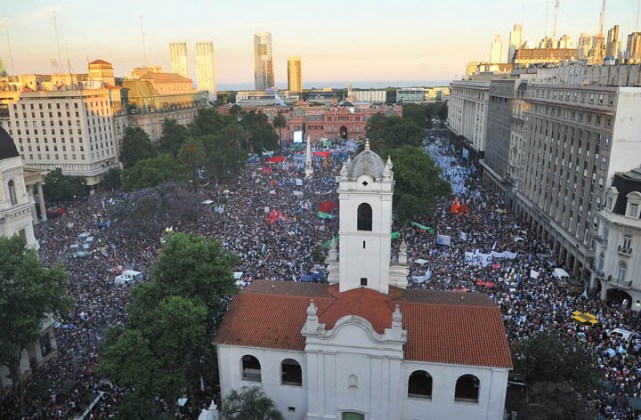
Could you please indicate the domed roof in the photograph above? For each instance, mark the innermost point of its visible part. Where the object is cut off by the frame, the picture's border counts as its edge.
(7, 146)
(366, 162)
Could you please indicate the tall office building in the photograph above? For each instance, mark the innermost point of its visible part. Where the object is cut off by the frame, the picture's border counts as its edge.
(263, 63)
(515, 42)
(612, 44)
(495, 50)
(178, 58)
(205, 75)
(585, 45)
(633, 51)
(294, 75)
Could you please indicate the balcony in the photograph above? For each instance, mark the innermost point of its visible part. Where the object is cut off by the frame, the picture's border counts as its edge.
(624, 250)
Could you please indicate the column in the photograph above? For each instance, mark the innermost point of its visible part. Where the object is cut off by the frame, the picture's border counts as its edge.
(43, 208)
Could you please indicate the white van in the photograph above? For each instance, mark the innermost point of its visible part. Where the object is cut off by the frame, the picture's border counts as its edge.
(127, 276)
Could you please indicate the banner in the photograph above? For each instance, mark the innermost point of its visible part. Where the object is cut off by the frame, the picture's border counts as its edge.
(327, 243)
(420, 226)
(483, 260)
(326, 206)
(396, 235)
(323, 215)
(464, 236)
(534, 274)
(444, 240)
(299, 182)
(275, 159)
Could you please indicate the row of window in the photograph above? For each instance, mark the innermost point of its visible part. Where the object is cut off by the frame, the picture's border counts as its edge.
(583, 97)
(420, 383)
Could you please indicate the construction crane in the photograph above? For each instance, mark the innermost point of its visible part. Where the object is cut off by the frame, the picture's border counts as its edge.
(556, 12)
(602, 19)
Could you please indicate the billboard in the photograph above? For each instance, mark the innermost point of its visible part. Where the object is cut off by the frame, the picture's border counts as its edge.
(298, 136)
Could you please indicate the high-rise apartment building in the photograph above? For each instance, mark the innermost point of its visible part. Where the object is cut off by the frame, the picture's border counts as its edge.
(633, 51)
(263, 62)
(294, 75)
(585, 45)
(205, 75)
(496, 49)
(178, 58)
(515, 42)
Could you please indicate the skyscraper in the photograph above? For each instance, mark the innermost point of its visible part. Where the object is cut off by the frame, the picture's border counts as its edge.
(515, 41)
(612, 46)
(178, 58)
(263, 63)
(205, 75)
(495, 50)
(294, 75)
(633, 52)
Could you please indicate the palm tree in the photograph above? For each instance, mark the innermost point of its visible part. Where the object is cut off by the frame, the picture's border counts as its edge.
(280, 122)
(193, 155)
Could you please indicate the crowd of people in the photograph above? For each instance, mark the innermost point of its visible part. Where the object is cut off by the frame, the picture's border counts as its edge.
(268, 216)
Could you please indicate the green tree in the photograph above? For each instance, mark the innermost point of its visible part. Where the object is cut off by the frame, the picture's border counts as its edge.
(112, 179)
(173, 137)
(224, 155)
(388, 132)
(415, 113)
(170, 319)
(442, 112)
(195, 268)
(28, 293)
(553, 357)
(209, 121)
(250, 403)
(60, 188)
(192, 154)
(280, 122)
(552, 400)
(152, 172)
(136, 145)
(418, 186)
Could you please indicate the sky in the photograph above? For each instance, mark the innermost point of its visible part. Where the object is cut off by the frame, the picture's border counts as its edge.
(406, 42)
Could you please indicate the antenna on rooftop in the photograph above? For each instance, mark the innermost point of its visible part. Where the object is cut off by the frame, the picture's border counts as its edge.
(602, 18)
(144, 45)
(55, 27)
(556, 12)
(5, 23)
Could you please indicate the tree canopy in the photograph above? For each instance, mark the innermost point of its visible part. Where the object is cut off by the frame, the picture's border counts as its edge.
(250, 403)
(149, 173)
(552, 357)
(385, 133)
(136, 146)
(173, 137)
(170, 320)
(61, 188)
(28, 293)
(418, 186)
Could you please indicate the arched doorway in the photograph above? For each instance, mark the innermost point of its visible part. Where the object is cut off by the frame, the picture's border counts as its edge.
(617, 296)
(343, 132)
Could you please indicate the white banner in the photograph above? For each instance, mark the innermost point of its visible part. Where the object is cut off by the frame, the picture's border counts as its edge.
(534, 274)
(483, 260)
(443, 240)
(464, 236)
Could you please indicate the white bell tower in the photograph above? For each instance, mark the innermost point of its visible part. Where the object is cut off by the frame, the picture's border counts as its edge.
(365, 192)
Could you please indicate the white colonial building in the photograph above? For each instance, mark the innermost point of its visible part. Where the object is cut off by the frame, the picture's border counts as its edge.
(362, 346)
(17, 215)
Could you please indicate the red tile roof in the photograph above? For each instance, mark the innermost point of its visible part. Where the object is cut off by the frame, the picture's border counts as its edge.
(442, 327)
(99, 62)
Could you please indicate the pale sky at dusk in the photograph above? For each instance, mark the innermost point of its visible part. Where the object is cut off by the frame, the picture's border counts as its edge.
(338, 40)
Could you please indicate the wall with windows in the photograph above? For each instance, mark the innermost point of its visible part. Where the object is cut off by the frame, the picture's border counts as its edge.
(280, 384)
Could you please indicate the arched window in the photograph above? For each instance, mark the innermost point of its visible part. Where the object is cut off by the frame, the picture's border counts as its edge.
(364, 217)
(12, 193)
(291, 373)
(467, 389)
(621, 271)
(352, 382)
(251, 369)
(420, 385)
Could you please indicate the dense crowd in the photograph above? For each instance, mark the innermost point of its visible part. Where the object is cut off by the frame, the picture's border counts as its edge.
(267, 215)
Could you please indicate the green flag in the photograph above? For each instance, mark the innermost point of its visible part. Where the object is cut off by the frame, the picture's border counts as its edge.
(420, 226)
(323, 215)
(326, 244)
(396, 235)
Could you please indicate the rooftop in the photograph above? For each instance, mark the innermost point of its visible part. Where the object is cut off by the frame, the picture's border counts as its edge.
(442, 327)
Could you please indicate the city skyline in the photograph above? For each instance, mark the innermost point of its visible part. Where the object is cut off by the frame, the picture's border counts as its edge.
(402, 41)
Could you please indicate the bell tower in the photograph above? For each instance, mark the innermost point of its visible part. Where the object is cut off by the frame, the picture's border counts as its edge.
(365, 191)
